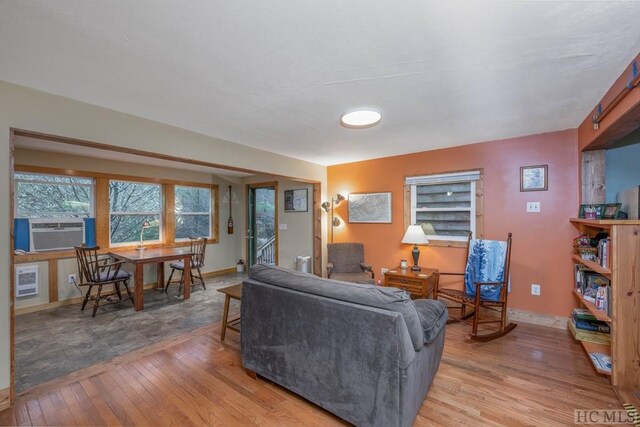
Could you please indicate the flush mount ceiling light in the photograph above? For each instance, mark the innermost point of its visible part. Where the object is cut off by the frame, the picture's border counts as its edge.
(360, 119)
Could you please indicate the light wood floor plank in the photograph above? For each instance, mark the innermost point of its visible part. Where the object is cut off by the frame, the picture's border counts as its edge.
(533, 376)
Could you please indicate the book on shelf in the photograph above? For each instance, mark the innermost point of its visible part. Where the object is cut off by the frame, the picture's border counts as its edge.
(604, 252)
(583, 319)
(580, 271)
(601, 361)
(595, 288)
(582, 314)
(588, 336)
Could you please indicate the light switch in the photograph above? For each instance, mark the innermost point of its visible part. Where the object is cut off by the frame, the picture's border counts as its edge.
(533, 207)
(282, 226)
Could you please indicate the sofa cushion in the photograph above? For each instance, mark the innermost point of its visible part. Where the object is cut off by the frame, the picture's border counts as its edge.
(391, 299)
(433, 317)
(107, 276)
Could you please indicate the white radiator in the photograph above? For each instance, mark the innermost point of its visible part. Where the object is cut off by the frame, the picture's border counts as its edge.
(26, 281)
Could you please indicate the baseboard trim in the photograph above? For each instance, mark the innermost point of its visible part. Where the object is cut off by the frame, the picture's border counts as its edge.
(78, 300)
(541, 319)
(219, 272)
(5, 399)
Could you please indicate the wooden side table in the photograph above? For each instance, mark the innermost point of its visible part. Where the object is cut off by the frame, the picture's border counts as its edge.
(235, 292)
(420, 284)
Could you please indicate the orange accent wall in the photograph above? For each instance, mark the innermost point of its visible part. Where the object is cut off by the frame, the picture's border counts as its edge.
(541, 241)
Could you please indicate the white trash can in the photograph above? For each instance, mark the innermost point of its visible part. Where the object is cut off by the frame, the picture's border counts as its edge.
(303, 264)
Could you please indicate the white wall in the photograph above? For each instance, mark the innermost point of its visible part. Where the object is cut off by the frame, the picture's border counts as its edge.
(297, 239)
(28, 109)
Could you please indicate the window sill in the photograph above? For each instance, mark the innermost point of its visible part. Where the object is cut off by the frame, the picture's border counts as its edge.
(66, 254)
(448, 243)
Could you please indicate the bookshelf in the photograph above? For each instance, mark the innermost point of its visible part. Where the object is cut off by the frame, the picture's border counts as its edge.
(591, 265)
(599, 314)
(625, 300)
(590, 347)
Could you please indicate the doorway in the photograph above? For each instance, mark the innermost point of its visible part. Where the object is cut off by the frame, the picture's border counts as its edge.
(262, 223)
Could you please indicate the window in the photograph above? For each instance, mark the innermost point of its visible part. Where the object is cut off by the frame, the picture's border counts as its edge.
(53, 196)
(130, 205)
(193, 212)
(445, 204)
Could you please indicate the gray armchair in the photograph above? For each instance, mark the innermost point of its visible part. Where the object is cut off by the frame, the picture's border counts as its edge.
(346, 263)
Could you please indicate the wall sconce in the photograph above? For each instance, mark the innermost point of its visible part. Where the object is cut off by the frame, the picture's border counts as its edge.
(328, 207)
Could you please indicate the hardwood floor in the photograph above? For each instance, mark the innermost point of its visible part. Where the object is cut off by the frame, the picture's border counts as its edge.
(533, 376)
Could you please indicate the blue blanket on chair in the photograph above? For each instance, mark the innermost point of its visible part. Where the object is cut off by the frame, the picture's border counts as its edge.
(485, 264)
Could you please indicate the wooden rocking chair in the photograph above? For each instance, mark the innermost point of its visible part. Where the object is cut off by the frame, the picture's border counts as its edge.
(490, 295)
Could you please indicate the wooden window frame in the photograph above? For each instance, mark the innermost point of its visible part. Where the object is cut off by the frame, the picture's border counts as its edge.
(212, 208)
(161, 238)
(101, 207)
(479, 208)
(92, 193)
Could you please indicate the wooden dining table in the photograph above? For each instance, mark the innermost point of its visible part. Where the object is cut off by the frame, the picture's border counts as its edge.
(154, 256)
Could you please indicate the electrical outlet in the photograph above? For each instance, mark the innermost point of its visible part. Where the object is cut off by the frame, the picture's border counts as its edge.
(533, 207)
(72, 278)
(384, 270)
(535, 289)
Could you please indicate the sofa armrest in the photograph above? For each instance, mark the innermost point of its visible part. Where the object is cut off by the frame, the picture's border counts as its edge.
(433, 317)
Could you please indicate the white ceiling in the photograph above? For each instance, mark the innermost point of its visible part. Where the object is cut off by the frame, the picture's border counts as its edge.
(277, 74)
(64, 148)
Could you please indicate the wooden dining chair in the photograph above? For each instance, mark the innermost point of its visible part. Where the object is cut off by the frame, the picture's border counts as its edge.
(198, 247)
(97, 271)
(485, 285)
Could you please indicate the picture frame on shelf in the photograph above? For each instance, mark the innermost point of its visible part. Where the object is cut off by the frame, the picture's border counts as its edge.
(534, 178)
(296, 200)
(591, 211)
(611, 210)
(370, 208)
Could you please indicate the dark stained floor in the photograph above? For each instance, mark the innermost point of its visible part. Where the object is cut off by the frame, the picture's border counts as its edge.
(53, 343)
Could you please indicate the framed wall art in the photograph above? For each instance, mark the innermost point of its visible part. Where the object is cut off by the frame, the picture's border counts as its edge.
(296, 200)
(370, 208)
(534, 178)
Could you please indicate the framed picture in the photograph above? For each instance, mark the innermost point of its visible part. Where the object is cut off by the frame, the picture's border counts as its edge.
(610, 210)
(593, 211)
(533, 178)
(296, 200)
(370, 208)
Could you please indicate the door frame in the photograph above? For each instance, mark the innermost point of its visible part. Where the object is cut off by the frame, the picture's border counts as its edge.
(249, 187)
(14, 132)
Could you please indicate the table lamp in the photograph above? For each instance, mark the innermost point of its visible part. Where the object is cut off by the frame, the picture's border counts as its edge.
(415, 236)
(145, 225)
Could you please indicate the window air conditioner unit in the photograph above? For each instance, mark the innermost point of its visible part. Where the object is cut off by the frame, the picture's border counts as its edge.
(55, 234)
(26, 281)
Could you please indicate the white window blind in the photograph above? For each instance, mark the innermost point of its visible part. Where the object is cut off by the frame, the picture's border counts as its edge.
(444, 204)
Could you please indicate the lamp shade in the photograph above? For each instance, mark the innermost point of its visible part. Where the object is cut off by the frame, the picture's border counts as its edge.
(415, 236)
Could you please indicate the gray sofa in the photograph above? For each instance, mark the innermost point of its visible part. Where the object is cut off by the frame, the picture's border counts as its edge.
(365, 353)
